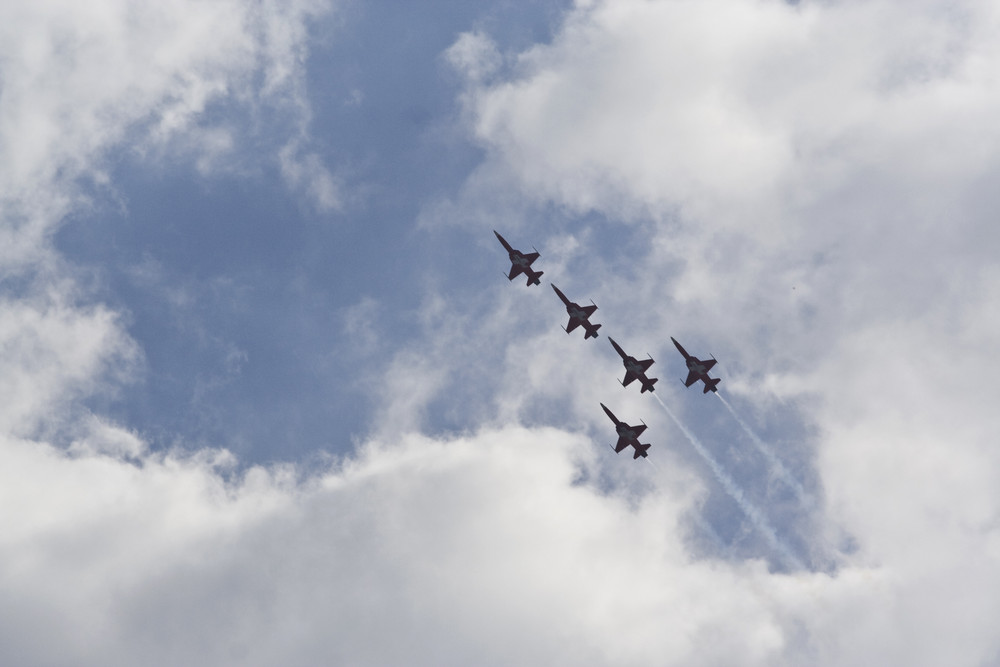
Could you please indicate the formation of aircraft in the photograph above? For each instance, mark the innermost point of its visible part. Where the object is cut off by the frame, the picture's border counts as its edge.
(628, 435)
(521, 262)
(579, 315)
(698, 370)
(634, 369)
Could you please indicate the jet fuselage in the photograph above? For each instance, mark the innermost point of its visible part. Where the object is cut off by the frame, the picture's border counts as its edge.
(626, 431)
(696, 366)
(578, 315)
(518, 259)
(520, 262)
(634, 369)
(698, 369)
(633, 366)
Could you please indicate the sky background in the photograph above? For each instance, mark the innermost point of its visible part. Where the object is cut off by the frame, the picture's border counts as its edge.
(268, 397)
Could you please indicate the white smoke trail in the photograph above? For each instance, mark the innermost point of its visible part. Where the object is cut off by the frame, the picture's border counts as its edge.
(736, 493)
(719, 543)
(702, 523)
(804, 497)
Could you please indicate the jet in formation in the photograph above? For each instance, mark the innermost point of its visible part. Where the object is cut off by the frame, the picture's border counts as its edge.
(579, 315)
(521, 263)
(628, 435)
(698, 370)
(634, 369)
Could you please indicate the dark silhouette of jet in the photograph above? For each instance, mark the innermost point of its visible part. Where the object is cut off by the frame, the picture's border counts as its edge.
(521, 263)
(628, 435)
(634, 369)
(579, 315)
(698, 370)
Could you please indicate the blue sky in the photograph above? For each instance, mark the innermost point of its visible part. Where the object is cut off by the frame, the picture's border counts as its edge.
(268, 398)
(256, 358)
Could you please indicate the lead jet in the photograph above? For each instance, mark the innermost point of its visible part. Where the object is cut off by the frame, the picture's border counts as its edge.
(635, 369)
(579, 315)
(628, 435)
(521, 263)
(698, 370)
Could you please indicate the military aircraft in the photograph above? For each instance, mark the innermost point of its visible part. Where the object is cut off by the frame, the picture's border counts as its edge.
(634, 369)
(698, 370)
(579, 315)
(628, 435)
(521, 263)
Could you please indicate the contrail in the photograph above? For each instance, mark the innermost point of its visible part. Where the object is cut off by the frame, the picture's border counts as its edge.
(736, 493)
(702, 523)
(712, 534)
(783, 472)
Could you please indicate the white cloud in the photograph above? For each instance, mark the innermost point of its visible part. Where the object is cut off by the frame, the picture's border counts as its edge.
(811, 187)
(80, 79)
(53, 352)
(304, 170)
(478, 549)
(725, 108)
(475, 55)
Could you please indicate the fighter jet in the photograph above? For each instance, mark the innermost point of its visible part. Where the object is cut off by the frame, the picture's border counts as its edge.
(521, 263)
(698, 370)
(579, 315)
(628, 435)
(634, 369)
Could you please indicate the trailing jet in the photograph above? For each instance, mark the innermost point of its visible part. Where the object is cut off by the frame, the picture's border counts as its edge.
(698, 370)
(521, 263)
(628, 435)
(579, 315)
(635, 369)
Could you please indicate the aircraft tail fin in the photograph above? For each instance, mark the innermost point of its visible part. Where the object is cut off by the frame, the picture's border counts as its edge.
(710, 385)
(641, 450)
(592, 331)
(648, 385)
(534, 278)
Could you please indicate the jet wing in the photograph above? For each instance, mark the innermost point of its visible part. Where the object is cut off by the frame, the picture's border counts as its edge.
(692, 378)
(708, 364)
(589, 310)
(622, 444)
(646, 363)
(629, 377)
(573, 323)
(638, 430)
(515, 271)
(531, 257)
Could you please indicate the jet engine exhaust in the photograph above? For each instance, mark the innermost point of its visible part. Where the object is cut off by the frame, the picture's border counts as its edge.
(762, 447)
(736, 493)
